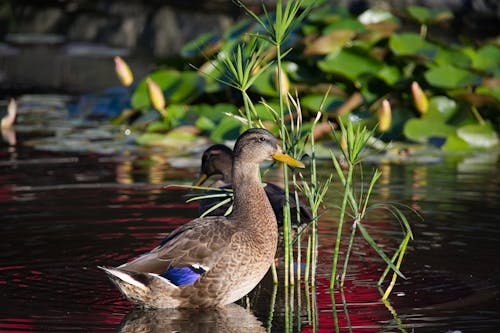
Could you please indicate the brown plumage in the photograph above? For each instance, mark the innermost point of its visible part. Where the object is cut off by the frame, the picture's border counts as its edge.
(215, 260)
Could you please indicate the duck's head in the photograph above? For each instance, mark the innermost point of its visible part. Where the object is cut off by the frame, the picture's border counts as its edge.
(257, 144)
(216, 160)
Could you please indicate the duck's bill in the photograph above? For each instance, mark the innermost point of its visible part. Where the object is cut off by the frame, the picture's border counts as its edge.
(289, 160)
(200, 179)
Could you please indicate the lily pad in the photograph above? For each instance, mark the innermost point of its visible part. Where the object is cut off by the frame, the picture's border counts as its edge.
(374, 16)
(346, 24)
(451, 77)
(350, 63)
(424, 15)
(178, 87)
(478, 135)
(446, 55)
(455, 143)
(441, 108)
(411, 44)
(421, 129)
(486, 58)
(330, 43)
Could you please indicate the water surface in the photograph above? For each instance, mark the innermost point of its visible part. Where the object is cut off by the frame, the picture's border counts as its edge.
(63, 214)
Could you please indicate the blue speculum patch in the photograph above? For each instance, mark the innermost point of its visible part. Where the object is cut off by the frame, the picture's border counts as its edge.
(182, 275)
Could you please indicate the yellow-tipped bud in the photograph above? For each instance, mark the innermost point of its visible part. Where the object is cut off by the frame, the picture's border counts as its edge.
(285, 83)
(156, 96)
(384, 113)
(419, 98)
(123, 71)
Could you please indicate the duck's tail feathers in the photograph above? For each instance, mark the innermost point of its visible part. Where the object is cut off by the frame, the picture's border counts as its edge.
(145, 289)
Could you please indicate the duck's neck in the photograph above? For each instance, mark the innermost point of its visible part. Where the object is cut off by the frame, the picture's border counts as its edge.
(250, 199)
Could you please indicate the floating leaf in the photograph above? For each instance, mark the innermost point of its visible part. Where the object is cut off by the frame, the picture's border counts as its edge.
(478, 135)
(227, 129)
(420, 129)
(455, 143)
(389, 74)
(350, 63)
(328, 14)
(451, 77)
(178, 87)
(330, 43)
(345, 24)
(406, 44)
(446, 55)
(424, 15)
(486, 58)
(313, 102)
(373, 16)
(265, 83)
(441, 108)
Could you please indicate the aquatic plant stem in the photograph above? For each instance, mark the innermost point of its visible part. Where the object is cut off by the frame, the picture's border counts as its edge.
(398, 264)
(347, 188)
(348, 253)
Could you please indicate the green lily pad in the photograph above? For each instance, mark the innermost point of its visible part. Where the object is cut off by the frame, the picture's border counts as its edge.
(389, 74)
(424, 15)
(227, 129)
(411, 44)
(479, 135)
(455, 143)
(446, 55)
(441, 108)
(486, 58)
(328, 14)
(178, 87)
(313, 102)
(265, 83)
(421, 129)
(345, 24)
(350, 63)
(451, 77)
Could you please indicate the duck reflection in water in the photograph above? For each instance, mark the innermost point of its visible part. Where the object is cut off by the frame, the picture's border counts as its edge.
(230, 318)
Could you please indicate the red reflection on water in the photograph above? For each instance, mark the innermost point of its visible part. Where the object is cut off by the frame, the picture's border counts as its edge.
(357, 307)
(17, 324)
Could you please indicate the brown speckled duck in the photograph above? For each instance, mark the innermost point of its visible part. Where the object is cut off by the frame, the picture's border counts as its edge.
(217, 161)
(214, 260)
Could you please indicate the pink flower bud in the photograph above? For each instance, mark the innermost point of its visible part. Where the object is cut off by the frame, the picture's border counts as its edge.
(384, 113)
(123, 71)
(419, 98)
(156, 95)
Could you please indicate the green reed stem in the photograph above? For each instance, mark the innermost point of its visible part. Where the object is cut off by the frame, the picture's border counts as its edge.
(308, 259)
(347, 188)
(398, 264)
(348, 253)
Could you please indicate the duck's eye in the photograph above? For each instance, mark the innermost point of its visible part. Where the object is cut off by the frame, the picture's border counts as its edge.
(261, 139)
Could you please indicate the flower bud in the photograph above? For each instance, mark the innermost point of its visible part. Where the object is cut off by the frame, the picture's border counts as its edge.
(384, 113)
(419, 98)
(123, 71)
(156, 95)
(285, 83)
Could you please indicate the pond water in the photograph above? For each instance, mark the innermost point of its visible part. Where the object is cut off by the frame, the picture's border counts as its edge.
(63, 214)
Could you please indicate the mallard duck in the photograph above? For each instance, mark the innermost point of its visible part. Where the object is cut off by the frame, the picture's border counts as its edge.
(217, 161)
(214, 260)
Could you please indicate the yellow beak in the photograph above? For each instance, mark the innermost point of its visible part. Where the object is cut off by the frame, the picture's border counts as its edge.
(200, 179)
(287, 159)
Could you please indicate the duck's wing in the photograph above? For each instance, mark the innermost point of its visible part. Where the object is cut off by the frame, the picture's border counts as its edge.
(188, 251)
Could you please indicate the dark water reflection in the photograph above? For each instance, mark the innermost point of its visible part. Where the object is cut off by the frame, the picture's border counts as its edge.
(62, 215)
